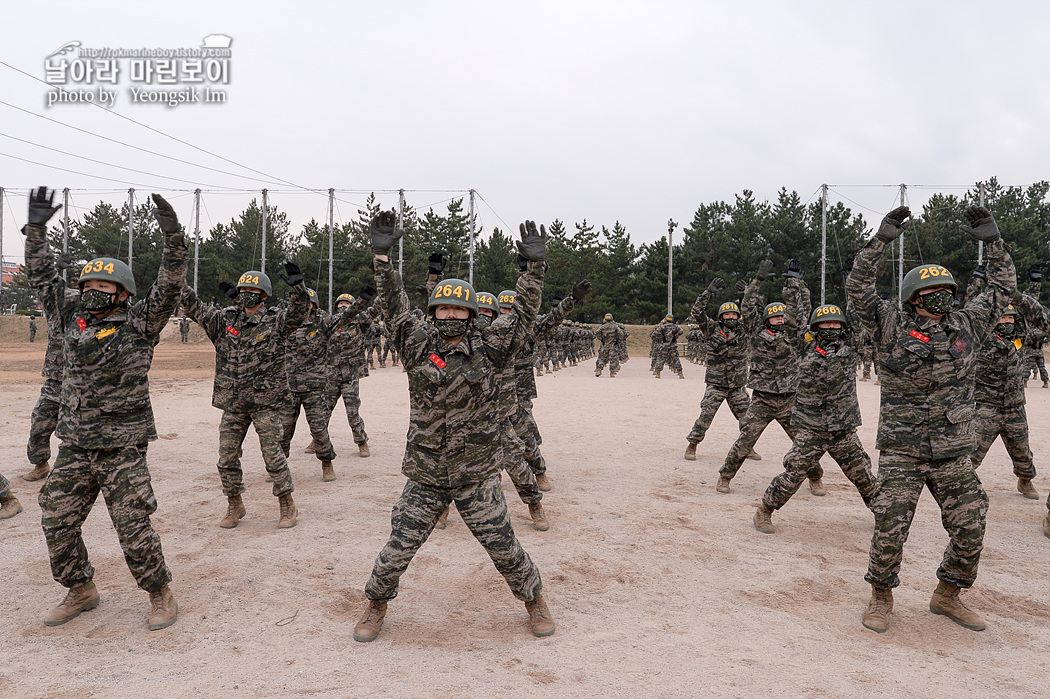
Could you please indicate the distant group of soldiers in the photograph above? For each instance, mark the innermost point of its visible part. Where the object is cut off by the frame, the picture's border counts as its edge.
(952, 375)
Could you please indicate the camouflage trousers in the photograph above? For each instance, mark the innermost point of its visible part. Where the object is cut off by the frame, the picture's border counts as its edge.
(43, 421)
(388, 349)
(608, 355)
(370, 349)
(765, 407)
(69, 493)
(671, 356)
(185, 336)
(5, 487)
(964, 505)
(351, 392)
(516, 467)
(539, 357)
(484, 511)
(867, 358)
(315, 405)
(1036, 363)
(737, 399)
(525, 427)
(1012, 425)
(232, 429)
(806, 450)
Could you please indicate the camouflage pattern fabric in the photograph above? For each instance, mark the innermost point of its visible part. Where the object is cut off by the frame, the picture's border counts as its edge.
(1012, 425)
(610, 336)
(805, 453)
(184, 328)
(775, 351)
(347, 364)
(5, 487)
(764, 408)
(43, 421)
(964, 506)
(737, 399)
(66, 498)
(350, 391)
(232, 429)
(1038, 317)
(32, 328)
(514, 464)
(54, 355)
(726, 351)
(318, 407)
(484, 511)
(307, 365)
(826, 400)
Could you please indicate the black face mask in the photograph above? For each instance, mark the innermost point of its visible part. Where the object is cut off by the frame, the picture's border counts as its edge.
(451, 328)
(1005, 330)
(938, 302)
(483, 321)
(96, 300)
(249, 299)
(730, 322)
(829, 334)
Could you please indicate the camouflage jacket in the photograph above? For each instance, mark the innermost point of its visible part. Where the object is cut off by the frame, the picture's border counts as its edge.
(249, 350)
(346, 343)
(453, 434)
(306, 353)
(774, 355)
(726, 350)
(999, 379)
(927, 367)
(105, 402)
(54, 362)
(543, 328)
(609, 333)
(826, 400)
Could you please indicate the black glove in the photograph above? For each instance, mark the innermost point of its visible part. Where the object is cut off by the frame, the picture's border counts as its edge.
(893, 224)
(1035, 273)
(167, 220)
(581, 289)
(384, 234)
(556, 298)
(741, 286)
(436, 263)
(292, 274)
(533, 245)
(979, 272)
(523, 264)
(982, 225)
(794, 269)
(716, 285)
(847, 267)
(64, 262)
(41, 207)
(228, 290)
(765, 270)
(368, 293)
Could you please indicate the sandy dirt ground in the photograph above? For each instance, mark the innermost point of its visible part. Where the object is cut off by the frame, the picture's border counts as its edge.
(659, 585)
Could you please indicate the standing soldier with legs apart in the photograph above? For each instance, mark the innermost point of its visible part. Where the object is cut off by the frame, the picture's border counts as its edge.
(251, 384)
(346, 362)
(776, 345)
(610, 336)
(453, 448)
(726, 352)
(105, 421)
(32, 328)
(1035, 362)
(928, 354)
(826, 415)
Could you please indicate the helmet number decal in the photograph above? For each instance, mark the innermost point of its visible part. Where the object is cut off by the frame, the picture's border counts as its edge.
(825, 310)
(248, 279)
(778, 308)
(934, 271)
(97, 266)
(446, 291)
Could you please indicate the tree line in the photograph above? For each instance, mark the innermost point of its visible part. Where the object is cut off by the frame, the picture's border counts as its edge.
(726, 239)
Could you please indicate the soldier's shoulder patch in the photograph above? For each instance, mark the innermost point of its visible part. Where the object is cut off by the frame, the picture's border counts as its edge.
(919, 336)
(821, 351)
(438, 361)
(232, 330)
(82, 324)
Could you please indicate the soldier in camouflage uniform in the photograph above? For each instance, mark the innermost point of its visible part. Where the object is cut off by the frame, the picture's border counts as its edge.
(184, 328)
(610, 336)
(32, 328)
(669, 332)
(621, 343)
(346, 362)
(726, 373)
(372, 340)
(251, 384)
(654, 348)
(777, 337)
(306, 364)
(1035, 362)
(9, 505)
(105, 421)
(453, 449)
(928, 354)
(826, 416)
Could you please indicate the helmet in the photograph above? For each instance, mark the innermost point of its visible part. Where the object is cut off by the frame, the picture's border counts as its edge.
(1010, 311)
(487, 300)
(108, 269)
(608, 317)
(924, 277)
(454, 292)
(669, 318)
(253, 279)
(823, 313)
(506, 298)
(728, 307)
(775, 309)
(344, 297)
(312, 294)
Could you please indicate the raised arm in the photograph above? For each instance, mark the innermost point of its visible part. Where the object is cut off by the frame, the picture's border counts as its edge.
(42, 272)
(156, 309)
(985, 310)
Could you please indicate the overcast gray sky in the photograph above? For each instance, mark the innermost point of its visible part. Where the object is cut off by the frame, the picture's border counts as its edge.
(629, 111)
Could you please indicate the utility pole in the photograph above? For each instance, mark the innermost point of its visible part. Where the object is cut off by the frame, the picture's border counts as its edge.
(671, 225)
(65, 229)
(265, 210)
(823, 241)
(470, 278)
(197, 236)
(980, 243)
(900, 253)
(331, 242)
(131, 223)
(401, 226)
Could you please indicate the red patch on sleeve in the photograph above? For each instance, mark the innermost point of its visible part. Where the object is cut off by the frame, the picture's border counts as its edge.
(81, 323)
(770, 332)
(919, 336)
(821, 351)
(723, 333)
(437, 360)
(232, 330)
